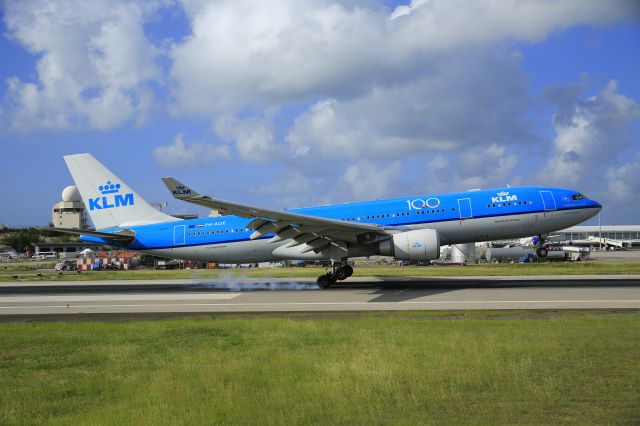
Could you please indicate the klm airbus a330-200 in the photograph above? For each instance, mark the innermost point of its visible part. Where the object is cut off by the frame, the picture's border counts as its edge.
(411, 228)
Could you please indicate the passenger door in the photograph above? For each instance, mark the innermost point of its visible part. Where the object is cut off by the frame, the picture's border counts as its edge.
(464, 207)
(179, 232)
(548, 201)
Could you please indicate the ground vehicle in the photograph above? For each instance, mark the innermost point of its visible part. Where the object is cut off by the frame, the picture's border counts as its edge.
(113, 266)
(67, 265)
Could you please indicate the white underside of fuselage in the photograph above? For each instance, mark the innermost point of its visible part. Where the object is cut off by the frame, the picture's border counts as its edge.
(451, 232)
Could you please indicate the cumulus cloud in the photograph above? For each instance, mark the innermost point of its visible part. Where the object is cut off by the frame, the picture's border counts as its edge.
(447, 24)
(594, 141)
(94, 64)
(194, 155)
(590, 133)
(254, 137)
(273, 53)
(624, 181)
(95, 61)
(371, 180)
(477, 99)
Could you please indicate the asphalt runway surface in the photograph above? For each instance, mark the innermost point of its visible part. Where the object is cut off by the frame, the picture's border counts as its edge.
(287, 295)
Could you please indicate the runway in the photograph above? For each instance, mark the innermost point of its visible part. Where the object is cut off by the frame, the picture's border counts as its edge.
(286, 295)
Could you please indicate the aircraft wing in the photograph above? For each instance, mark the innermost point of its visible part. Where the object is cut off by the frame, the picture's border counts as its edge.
(122, 237)
(316, 232)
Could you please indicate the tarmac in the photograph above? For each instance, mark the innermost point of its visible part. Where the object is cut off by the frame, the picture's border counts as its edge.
(27, 299)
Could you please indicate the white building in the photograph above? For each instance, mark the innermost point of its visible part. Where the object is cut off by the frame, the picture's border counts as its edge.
(70, 212)
(611, 236)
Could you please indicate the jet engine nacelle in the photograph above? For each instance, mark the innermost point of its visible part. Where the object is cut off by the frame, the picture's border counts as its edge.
(421, 244)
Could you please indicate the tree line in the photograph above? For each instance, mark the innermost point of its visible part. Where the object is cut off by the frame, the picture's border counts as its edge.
(23, 239)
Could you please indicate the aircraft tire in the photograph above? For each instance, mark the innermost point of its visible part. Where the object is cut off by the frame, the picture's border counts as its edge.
(324, 281)
(349, 270)
(542, 252)
(342, 273)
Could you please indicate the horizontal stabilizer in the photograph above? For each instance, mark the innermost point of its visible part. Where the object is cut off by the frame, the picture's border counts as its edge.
(122, 237)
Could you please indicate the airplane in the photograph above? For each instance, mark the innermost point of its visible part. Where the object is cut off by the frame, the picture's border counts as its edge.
(407, 228)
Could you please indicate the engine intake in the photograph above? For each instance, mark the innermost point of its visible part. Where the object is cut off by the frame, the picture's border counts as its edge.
(420, 244)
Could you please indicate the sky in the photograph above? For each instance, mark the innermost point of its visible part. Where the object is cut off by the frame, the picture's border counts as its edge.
(292, 103)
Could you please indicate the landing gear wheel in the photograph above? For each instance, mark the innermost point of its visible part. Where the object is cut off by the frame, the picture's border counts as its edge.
(542, 252)
(342, 273)
(324, 281)
(348, 269)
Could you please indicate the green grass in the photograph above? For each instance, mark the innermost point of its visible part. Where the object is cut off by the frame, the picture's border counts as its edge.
(374, 368)
(576, 268)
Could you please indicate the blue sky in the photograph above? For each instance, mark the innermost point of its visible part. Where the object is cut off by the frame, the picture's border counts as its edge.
(311, 102)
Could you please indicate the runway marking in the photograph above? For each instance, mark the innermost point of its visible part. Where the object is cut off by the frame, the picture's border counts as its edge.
(484, 302)
(125, 297)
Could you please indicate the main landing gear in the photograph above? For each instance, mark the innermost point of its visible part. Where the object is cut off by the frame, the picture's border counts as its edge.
(339, 272)
(542, 250)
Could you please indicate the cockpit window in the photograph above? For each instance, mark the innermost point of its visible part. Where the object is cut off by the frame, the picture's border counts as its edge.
(577, 197)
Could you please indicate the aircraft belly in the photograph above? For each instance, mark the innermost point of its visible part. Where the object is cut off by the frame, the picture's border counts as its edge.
(168, 253)
(486, 228)
(555, 220)
(235, 252)
(511, 226)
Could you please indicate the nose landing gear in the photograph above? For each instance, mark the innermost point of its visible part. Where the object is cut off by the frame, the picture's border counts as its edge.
(339, 272)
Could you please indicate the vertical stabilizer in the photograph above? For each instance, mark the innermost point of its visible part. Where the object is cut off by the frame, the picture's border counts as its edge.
(109, 201)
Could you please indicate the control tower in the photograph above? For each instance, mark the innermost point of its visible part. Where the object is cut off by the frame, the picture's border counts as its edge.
(70, 212)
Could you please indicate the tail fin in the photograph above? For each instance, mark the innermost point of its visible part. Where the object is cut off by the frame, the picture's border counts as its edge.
(109, 201)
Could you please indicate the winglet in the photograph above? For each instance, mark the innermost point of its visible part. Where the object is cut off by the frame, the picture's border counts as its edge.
(178, 189)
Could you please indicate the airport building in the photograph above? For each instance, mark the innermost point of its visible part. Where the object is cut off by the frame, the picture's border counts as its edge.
(70, 212)
(60, 250)
(611, 237)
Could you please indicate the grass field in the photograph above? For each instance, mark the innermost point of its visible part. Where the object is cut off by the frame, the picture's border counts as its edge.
(567, 367)
(576, 268)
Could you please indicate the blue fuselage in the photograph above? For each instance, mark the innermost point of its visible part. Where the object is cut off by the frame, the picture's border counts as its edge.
(459, 217)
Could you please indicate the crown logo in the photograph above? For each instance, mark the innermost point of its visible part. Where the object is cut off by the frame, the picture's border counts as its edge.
(109, 188)
(503, 194)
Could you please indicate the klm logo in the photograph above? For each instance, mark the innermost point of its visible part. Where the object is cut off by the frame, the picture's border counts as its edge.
(417, 245)
(503, 197)
(181, 190)
(110, 198)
